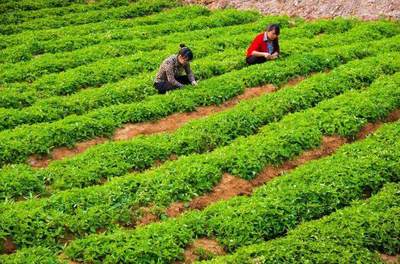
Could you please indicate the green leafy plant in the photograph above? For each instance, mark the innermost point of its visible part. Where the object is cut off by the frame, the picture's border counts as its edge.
(83, 211)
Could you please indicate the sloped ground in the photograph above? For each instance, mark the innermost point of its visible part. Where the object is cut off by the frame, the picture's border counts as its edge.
(365, 9)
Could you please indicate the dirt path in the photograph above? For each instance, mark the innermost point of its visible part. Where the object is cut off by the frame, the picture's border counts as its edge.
(390, 259)
(231, 186)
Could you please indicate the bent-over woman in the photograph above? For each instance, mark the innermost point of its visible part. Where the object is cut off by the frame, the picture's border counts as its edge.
(170, 77)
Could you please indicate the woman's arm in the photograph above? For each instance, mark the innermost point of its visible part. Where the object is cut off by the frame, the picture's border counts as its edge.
(261, 54)
(190, 74)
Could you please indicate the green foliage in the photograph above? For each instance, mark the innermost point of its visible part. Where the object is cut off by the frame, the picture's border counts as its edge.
(10, 6)
(117, 158)
(35, 255)
(309, 192)
(48, 63)
(126, 11)
(127, 90)
(17, 144)
(20, 16)
(56, 49)
(83, 211)
(350, 235)
(34, 46)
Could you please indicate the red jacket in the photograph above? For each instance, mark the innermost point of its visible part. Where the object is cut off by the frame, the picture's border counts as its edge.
(260, 44)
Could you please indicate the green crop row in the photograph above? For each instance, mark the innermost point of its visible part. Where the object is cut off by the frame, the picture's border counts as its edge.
(212, 65)
(108, 71)
(139, 87)
(346, 236)
(32, 255)
(17, 144)
(9, 6)
(68, 43)
(309, 192)
(49, 63)
(136, 9)
(139, 51)
(72, 79)
(370, 225)
(17, 17)
(83, 211)
(30, 36)
(117, 158)
(133, 89)
(99, 27)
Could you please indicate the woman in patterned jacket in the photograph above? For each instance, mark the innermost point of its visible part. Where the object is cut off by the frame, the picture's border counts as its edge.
(169, 76)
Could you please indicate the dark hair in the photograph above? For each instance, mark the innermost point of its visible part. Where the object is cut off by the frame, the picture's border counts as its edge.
(185, 52)
(274, 27)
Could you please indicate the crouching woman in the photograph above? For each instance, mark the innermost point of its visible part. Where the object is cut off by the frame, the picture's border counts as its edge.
(170, 77)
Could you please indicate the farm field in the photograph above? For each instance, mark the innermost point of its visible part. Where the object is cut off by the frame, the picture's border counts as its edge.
(295, 160)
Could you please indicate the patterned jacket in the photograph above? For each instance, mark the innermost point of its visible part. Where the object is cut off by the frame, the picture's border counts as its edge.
(170, 69)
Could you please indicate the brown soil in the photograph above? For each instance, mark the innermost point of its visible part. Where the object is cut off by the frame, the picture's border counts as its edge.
(371, 127)
(67, 238)
(175, 209)
(228, 187)
(208, 246)
(294, 81)
(328, 146)
(101, 230)
(175, 121)
(311, 9)
(393, 116)
(9, 246)
(38, 161)
(168, 124)
(64, 258)
(366, 130)
(231, 186)
(390, 259)
(147, 218)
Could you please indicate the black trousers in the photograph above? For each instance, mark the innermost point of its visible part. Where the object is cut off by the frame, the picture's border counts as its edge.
(163, 87)
(255, 60)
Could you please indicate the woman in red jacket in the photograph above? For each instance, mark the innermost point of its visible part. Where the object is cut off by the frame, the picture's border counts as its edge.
(265, 46)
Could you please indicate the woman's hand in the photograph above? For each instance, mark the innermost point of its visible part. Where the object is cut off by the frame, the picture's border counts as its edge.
(274, 55)
(268, 56)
